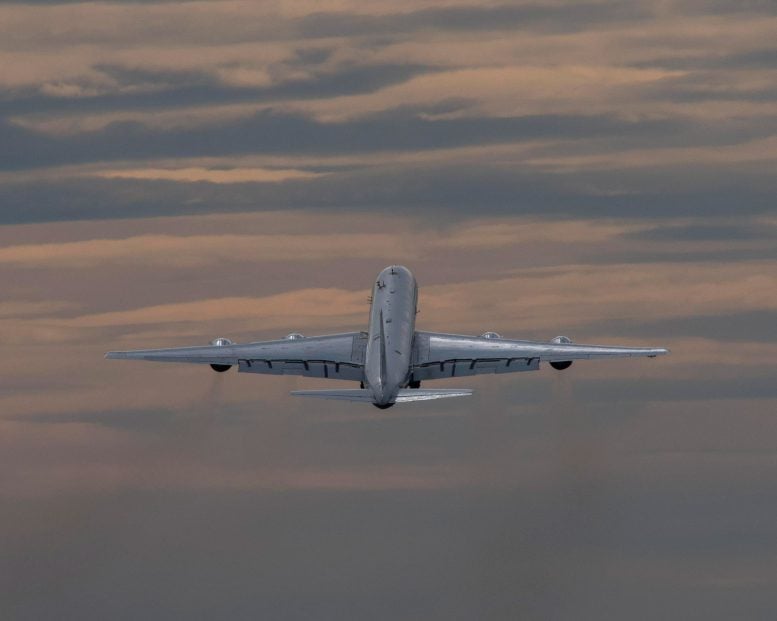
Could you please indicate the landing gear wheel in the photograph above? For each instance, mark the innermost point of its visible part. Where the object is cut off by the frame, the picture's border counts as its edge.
(415, 384)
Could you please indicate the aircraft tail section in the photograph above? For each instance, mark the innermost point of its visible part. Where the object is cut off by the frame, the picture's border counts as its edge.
(404, 396)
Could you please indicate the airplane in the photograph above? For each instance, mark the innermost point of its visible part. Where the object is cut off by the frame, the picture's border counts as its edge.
(390, 359)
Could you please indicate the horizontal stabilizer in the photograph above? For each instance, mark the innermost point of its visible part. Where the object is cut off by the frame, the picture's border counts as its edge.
(423, 394)
(354, 394)
(404, 396)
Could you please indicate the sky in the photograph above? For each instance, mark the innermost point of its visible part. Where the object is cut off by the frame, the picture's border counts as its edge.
(172, 172)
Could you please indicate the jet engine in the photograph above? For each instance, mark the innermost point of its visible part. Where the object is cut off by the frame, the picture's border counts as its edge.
(491, 335)
(221, 342)
(294, 336)
(560, 365)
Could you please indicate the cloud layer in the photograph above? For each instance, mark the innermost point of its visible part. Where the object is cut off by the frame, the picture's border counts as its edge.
(644, 108)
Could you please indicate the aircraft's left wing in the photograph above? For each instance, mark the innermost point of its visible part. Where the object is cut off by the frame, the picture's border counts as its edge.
(436, 356)
(336, 356)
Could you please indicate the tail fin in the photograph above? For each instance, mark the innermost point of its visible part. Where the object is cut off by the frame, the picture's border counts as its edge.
(404, 396)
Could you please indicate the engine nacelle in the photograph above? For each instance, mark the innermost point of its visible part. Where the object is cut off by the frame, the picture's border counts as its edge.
(221, 342)
(561, 364)
(491, 335)
(294, 336)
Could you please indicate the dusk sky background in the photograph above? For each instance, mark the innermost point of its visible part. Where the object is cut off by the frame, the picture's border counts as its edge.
(172, 172)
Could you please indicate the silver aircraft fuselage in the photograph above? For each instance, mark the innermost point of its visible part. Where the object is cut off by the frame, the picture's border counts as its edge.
(390, 334)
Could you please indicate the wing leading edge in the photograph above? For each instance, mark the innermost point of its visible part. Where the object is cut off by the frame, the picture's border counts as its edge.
(336, 356)
(438, 356)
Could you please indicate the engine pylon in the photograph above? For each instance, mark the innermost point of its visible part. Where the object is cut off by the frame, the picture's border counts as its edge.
(560, 365)
(221, 342)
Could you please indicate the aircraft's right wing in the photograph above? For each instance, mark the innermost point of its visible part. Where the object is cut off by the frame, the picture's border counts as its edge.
(437, 356)
(335, 356)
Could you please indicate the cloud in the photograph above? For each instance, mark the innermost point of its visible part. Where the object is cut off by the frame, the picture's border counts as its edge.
(21, 308)
(537, 297)
(647, 192)
(736, 231)
(116, 87)
(271, 131)
(187, 251)
(130, 420)
(760, 58)
(211, 175)
(726, 7)
(574, 116)
(307, 307)
(535, 16)
(729, 329)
